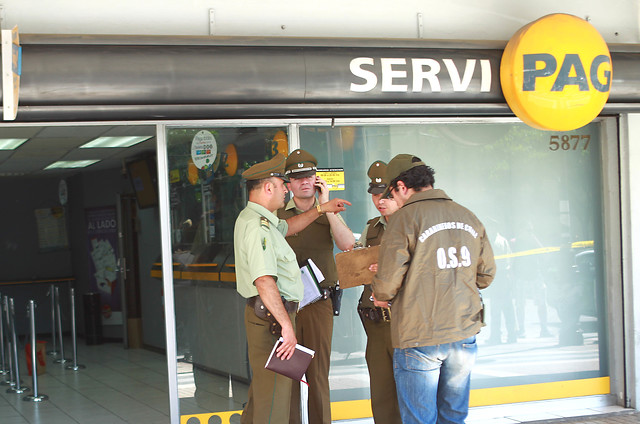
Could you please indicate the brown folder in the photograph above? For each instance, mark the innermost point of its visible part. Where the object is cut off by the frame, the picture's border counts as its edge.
(353, 266)
(294, 367)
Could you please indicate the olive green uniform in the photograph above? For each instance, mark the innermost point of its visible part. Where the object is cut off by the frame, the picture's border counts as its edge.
(261, 249)
(314, 323)
(379, 352)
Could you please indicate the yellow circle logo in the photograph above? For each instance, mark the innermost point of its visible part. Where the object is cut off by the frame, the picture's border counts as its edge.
(556, 73)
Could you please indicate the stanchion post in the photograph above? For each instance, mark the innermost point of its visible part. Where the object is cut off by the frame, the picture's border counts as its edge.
(62, 359)
(52, 293)
(35, 397)
(5, 309)
(16, 363)
(75, 366)
(3, 364)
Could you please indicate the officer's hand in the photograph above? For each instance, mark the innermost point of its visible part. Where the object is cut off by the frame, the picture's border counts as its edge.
(373, 267)
(288, 346)
(335, 205)
(380, 303)
(322, 189)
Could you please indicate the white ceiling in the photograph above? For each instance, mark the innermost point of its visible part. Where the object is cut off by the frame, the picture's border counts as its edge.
(50, 144)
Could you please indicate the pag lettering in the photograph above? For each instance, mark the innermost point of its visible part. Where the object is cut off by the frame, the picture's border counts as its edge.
(572, 72)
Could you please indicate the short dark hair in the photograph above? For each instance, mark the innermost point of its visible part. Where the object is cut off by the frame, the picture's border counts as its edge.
(416, 178)
(255, 184)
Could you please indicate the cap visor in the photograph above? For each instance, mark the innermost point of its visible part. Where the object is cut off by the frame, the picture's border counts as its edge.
(302, 174)
(386, 192)
(376, 189)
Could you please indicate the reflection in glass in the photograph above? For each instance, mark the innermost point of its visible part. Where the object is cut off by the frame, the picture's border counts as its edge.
(538, 194)
(206, 195)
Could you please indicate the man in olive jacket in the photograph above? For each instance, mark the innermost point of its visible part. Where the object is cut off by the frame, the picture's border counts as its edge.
(435, 256)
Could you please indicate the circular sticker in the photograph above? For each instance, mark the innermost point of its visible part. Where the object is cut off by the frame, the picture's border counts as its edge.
(203, 149)
(556, 73)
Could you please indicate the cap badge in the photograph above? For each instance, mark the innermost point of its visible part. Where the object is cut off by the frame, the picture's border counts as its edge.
(378, 180)
(300, 164)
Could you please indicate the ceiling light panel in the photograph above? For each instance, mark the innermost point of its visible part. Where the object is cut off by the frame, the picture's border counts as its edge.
(66, 164)
(111, 142)
(11, 143)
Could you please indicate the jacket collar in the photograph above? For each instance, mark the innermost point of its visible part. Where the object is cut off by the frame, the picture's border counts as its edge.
(381, 221)
(292, 205)
(431, 194)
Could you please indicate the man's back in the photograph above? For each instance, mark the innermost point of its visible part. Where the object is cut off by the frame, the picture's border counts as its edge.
(436, 258)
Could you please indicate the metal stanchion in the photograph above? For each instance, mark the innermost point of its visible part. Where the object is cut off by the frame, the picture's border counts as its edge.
(75, 366)
(52, 293)
(5, 309)
(35, 397)
(16, 363)
(3, 363)
(62, 359)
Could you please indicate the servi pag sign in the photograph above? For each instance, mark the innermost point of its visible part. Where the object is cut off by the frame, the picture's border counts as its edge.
(555, 74)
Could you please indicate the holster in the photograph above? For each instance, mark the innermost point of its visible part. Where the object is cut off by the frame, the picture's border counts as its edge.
(263, 313)
(375, 314)
(336, 299)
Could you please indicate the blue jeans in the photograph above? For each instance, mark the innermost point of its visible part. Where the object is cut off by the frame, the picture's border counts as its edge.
(433, 382)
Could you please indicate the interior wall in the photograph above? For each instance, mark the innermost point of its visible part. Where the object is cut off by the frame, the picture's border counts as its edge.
(21, 258)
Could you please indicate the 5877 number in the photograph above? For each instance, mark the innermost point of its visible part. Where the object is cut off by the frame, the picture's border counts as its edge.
(569, 142)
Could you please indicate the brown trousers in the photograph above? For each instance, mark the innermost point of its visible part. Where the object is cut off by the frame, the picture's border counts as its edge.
(314, 328)
(379, 355)
(269, 393)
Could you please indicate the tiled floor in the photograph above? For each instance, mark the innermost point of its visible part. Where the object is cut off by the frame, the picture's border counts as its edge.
(130, 386)
(117, 386)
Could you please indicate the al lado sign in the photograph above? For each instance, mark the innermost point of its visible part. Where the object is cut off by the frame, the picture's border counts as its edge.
(556, 73)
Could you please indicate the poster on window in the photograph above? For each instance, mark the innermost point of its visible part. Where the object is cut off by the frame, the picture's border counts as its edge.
(102, 234)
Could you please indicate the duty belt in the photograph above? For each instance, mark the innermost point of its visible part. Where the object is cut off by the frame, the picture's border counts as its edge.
(375, 314)
(289, 305)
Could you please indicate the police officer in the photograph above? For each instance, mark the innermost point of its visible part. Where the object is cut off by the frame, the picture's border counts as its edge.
(314, 325)
(268, 274)
(376, 320)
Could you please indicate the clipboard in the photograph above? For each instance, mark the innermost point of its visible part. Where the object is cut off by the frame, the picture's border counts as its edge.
(353, 266)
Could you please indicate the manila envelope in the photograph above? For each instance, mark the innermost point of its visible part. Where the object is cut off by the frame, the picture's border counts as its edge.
(353, 266)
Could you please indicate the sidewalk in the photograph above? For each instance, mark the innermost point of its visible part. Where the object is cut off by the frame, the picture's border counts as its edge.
(546, 414)
(623, 417)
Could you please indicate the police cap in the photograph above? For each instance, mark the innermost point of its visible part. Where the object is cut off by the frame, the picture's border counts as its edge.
(273, 167)
(378, 174)
(300, 164)
(399, 164)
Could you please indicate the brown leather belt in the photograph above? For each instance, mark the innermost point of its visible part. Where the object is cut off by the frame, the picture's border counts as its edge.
(289, 305)
(375, 314)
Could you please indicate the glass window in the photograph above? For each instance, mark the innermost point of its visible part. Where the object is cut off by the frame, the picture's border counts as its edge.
(206, 195)
(539, 195)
